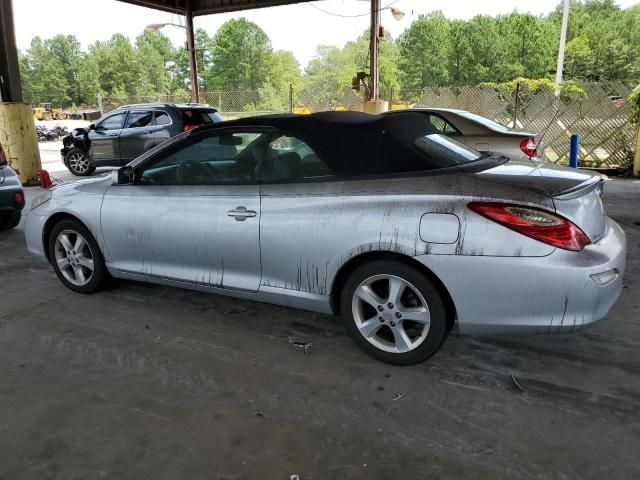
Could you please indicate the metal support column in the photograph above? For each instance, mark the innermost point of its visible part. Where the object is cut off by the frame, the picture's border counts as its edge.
(373, 104)
(191, 50)
(374, 75)
(10, 88)
(17, 128)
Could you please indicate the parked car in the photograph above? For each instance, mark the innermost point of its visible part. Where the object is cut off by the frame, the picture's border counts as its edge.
(11, 195)
(616, 100)
(127, 132)
(480, 133)
(403, 231)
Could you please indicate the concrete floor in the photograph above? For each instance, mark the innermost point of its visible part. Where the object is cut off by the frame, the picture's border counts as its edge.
(146, 382)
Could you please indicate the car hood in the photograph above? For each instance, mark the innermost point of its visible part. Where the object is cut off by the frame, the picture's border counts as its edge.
(93, 185)
(546, 178)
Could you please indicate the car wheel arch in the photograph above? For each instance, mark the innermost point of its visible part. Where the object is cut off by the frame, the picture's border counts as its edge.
(348, 267)
(51, 222)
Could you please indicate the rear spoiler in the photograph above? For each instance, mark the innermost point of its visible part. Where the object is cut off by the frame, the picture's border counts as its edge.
(597, 181)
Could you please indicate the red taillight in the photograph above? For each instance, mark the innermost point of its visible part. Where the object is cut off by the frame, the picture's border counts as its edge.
(188, 127)
(536, 223)
(528, 146)
(44, 178)
(18, 197)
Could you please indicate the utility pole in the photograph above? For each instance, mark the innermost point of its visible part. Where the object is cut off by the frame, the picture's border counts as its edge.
(191, 50)
(374, 49)
(563, 39)
(374, 105)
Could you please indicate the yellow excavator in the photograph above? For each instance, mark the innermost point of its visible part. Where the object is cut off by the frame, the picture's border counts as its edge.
(45, 111)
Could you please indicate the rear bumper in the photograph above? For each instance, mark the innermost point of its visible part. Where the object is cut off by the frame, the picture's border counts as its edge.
(549, 294)
(8, 199)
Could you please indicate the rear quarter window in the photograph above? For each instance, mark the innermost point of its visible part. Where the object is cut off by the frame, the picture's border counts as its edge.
(199, 117)
(409, 144)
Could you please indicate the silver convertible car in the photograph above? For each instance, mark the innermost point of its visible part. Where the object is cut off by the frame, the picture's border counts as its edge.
(404, 232)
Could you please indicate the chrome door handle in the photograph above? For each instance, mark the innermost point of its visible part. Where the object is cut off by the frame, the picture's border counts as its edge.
(241, 213)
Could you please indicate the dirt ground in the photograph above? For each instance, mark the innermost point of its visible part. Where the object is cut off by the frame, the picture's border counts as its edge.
(147, 382)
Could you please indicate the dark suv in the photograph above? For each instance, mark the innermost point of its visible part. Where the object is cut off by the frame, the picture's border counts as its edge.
(11, 195)
(127, 132)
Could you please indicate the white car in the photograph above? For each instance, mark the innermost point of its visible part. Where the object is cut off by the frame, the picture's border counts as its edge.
(480, 133)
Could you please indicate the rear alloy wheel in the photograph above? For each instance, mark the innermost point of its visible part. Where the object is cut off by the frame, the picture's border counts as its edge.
(394, 313)
(76, 257)
(78, 163)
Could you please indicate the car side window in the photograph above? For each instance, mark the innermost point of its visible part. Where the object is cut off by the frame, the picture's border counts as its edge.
(442, 126)
(114, 122)
(162, 118)
(139, 119)
(212, 159)
(289, 159)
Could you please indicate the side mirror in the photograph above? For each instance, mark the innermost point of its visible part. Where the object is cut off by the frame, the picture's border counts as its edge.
(92, 126)
(122, 176)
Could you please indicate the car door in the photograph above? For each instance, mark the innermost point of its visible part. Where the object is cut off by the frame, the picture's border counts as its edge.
(105, 138)
(192, 215)
(165, 128)
(137, 136)
(304, 219)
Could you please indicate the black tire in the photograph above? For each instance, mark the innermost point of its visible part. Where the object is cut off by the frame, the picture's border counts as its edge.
(100, 274)
(437, 331)
(83, 169)
(10, 220)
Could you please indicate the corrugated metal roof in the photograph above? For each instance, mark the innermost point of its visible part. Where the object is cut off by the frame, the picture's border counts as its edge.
(206, 7)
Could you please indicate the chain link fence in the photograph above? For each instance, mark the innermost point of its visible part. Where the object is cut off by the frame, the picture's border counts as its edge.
(607, 138)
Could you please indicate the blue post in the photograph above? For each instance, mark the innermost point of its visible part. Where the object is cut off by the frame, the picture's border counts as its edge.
(573, 151)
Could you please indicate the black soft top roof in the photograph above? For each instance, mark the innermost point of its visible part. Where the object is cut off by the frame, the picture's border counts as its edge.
(290, 121)
(349, 142)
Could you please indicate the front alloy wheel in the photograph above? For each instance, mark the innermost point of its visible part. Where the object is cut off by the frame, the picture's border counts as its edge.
(394, 312)
(74, 258)
(78, 163)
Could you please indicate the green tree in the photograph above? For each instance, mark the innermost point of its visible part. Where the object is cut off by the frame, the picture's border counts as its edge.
(332, 69)
(328, 71)
(67, 53)
(116, 64)
(240, 56)
(44, 74)
(424, 50)
(154, 51)
(578, 57)
(89, 80)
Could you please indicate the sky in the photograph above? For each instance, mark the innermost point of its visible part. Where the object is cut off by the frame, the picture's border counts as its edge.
(299, 28)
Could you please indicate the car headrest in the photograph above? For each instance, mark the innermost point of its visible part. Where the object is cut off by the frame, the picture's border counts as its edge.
(288, 166)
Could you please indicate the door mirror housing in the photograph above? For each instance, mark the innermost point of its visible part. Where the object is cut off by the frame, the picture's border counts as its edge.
(92, 126)
(122, 176)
